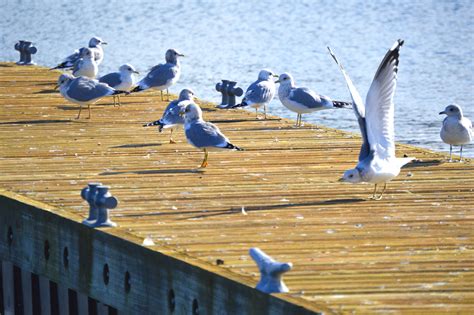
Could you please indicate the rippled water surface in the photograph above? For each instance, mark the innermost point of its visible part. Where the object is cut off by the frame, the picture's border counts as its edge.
(235, 39)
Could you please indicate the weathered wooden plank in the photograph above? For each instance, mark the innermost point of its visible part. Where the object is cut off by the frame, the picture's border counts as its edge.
(411, 252)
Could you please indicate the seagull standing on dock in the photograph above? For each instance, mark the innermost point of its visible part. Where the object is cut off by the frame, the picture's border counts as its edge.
(83, 91)
(377, 161)
(86, 65)
(260, 92)
(172, 117)
(95, 43)
(456, 130)
(162, 76)
(203, 135)
(123, 80)
(302, 100)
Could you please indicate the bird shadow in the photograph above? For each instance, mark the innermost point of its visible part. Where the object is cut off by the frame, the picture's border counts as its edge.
(232, 121)
(6, 66)
(46, 92)
(66, 107)
(423, 163)
(151, 172)
(46, 83)
(36, 122)
(274, 207)
(137, 145)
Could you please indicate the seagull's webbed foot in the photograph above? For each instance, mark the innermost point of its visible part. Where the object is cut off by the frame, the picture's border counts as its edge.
(204, 162)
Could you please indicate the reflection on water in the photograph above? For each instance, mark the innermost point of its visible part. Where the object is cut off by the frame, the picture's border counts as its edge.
(235, 39)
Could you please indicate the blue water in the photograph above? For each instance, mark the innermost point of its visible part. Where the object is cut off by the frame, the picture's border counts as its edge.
(235, 39)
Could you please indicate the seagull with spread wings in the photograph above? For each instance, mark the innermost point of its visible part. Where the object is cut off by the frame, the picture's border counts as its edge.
(377, 161)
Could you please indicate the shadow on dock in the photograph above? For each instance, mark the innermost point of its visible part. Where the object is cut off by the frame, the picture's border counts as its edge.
(149, 172)
(37, 122)
(137, 145)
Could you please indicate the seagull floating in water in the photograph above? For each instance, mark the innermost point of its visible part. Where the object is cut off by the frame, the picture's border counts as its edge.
(377, 161)
(123, 80)
(456, 130)
(86, 65)
(172, 117)
(302, 100)
(162, 76)
(83, 90)
(260, 92)
(202, 134)
(95, 43)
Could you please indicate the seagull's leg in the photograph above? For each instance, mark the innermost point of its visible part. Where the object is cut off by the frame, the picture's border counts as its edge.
(256, 113)
(167, 95)
(89, 107)
(450, 152)
(375, 191)
(383, 190)
(161, 94)
(171, 137)
(115, 102)
(204, 162)
(79, 114)
(118, 100)
(265, 111)
(460, 154)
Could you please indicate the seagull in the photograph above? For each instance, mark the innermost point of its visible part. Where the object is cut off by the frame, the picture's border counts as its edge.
(171, 116)
(260, 93)
(202, 134)
(83, 90)
(122, 80)
(86, 66)
(94, 43)
(162, 76)
(456, 130)
(377, 162)
(303, 100)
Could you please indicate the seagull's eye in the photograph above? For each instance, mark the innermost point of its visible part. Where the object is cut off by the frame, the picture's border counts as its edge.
(451, 109)
(129, 69)
(352, 175)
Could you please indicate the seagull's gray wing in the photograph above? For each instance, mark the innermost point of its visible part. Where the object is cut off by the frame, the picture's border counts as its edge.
(260, 92)
(203, 134)
(83, 89)
(160, 75)
(359, 110)
(380, 107)
(111, 79)
(77, 66)
(307, 97)
(171, 115)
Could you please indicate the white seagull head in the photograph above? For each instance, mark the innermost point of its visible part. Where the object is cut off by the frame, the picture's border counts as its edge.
(192, 112)
(96, 41)
(186, 94)
(285, 79)
(266, 74)
(172, 55)
(351, 176)
(452, 110)
(128, 68)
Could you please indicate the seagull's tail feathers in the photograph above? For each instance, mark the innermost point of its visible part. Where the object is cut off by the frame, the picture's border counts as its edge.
(63, 65)
(233, 147)
(158, 123)
(117, 92)
(340, 104)
(138, 88)
(242, 104)
(404, 161)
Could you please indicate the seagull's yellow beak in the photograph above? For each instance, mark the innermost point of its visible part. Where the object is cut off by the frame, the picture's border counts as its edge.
(135, 71)
(56, 86)
(341, 179)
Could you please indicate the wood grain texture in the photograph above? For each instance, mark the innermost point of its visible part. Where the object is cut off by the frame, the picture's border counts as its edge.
(412, 252)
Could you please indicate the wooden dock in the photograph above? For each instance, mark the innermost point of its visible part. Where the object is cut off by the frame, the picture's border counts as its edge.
(412, 252)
